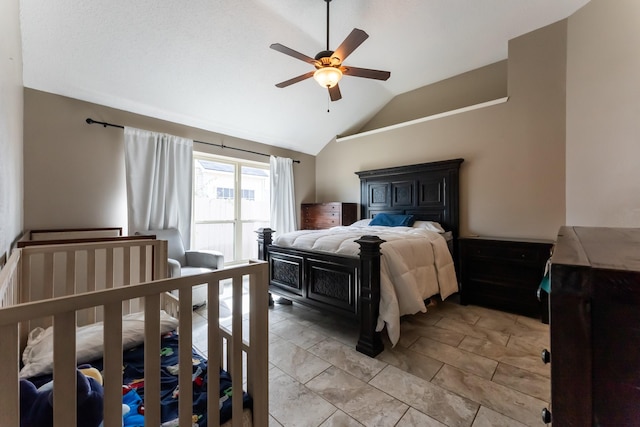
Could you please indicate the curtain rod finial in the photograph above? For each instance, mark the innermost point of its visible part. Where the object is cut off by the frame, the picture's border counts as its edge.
(89, 120)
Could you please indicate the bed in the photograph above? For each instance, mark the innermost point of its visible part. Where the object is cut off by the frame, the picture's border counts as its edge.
(350, 285)
(78, 286)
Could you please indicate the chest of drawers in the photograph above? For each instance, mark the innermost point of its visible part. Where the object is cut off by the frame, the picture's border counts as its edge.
(317, 216)
(504, 274)
(595, 339)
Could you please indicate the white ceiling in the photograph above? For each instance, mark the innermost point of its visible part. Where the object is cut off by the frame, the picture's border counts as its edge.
(207, 63)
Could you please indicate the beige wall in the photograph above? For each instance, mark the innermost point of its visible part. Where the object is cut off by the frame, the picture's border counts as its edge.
(603, 115)
(513, 177)
(74, 173)
(474, 87)
(512, 182)
(11, 113)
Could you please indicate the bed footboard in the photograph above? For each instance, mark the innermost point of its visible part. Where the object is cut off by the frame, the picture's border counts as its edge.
(348, 286)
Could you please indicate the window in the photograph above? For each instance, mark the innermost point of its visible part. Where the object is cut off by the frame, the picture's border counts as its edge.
(249, 194)
(224, 193)
(221, 221)
(227, 193)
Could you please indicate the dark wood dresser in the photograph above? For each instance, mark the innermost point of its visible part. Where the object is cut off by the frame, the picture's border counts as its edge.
(504, 274)
(595, 328)
(316, 216)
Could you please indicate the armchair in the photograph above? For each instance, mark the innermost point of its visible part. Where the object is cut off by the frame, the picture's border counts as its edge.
(184, 262)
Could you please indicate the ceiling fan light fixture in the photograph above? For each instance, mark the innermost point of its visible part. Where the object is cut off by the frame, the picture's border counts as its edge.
(327, 77)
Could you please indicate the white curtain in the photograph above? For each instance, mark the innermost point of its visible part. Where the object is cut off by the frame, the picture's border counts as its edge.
(159, 169)
(283, 201)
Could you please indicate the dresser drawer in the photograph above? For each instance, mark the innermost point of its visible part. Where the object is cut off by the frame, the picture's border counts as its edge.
(316, 216)
(319, 224)
(321, 212)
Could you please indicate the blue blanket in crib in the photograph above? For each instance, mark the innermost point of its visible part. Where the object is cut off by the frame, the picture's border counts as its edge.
(133, 379)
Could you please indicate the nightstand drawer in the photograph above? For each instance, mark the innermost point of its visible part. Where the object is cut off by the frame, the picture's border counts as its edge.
(508, 272)
(509, 251)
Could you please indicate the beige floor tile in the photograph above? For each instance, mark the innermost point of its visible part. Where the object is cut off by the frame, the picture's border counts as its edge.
(489, 418)
(496, 323)
(535, 342)
(412, 327)
(490, 312)
(295, 361)
(347, 359)
(297, 333)
(341, 330)
(411, 361)
(527, 360)
(503, 349)
(445, 336)
(429, 318)
(276, 316)
(273, 422)
(340, 419)
(363, 402)
(462, 327)
(518, 327)
(407, 337)
(525, 381)
(473, 363)
(509, 402)
(413, 418)
(304, 315)
(291, 404)
(533, 324)
(452, 310)
(426, 397)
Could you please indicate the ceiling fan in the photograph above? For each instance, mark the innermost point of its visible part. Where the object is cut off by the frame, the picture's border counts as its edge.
(329, 64)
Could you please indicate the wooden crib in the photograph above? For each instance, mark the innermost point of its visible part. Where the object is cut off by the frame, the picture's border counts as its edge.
(76, 284)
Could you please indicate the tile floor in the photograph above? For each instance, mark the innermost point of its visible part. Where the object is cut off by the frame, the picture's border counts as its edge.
(454, 366)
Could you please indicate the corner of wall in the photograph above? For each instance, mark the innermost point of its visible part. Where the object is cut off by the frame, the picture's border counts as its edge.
(11, 124)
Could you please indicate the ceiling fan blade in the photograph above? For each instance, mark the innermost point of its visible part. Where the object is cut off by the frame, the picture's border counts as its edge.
(366, 73)
(353, 40)
(294, 53)
(334, 93)
(295, 79)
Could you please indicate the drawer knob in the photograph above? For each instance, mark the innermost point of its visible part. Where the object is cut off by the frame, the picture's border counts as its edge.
(545, 356)
(546, 416)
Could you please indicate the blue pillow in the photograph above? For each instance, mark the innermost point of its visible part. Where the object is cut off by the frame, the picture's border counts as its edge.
(390, 220)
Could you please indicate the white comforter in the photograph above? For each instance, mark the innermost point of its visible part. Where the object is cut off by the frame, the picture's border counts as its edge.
(415, 265)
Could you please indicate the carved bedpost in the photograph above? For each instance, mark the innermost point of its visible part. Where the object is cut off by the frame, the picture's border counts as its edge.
(369, 341)
(264, 240)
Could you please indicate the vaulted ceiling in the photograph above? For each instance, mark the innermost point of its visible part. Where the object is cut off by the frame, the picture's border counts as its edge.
(207, 63)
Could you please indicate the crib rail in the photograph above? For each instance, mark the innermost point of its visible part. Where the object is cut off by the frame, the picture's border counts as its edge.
(48, 271)
(225, 347)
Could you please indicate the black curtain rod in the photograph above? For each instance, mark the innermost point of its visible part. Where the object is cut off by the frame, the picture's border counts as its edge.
(105, 124)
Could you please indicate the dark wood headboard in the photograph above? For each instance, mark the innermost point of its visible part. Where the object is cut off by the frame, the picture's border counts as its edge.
(429, 191)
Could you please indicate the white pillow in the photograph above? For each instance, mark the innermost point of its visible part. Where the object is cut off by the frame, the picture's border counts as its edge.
(361, 223)
(429, 225)
(38, 354)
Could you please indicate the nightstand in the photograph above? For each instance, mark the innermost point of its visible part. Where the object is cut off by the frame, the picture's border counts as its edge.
(504, 274)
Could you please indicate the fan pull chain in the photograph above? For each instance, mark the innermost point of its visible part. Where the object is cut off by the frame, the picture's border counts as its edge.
(328, 103)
